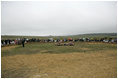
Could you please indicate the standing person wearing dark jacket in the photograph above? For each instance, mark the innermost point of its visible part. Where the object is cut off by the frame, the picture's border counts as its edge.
(23, 41)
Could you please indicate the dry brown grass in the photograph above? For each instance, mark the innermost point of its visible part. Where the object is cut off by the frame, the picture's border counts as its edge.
(99, 64)
(8, 47)
(85, 49)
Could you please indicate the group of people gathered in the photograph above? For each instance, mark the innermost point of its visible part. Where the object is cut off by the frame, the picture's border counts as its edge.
(26, 40)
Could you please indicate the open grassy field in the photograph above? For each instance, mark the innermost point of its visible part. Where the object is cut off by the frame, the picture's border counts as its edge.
(45, 60)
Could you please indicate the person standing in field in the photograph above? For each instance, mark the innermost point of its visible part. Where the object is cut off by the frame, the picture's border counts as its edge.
(23, 41)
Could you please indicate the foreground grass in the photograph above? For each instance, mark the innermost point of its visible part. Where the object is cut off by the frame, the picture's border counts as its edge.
(84, 60)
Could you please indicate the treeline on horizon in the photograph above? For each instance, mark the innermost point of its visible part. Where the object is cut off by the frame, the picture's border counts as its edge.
(92, 35)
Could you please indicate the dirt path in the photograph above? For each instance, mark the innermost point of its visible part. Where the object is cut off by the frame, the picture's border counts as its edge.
(99, 64)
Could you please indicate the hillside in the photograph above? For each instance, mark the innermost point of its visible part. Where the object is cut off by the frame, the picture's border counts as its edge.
(93, 35)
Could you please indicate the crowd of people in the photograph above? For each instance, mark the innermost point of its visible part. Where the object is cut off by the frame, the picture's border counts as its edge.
(26, 40)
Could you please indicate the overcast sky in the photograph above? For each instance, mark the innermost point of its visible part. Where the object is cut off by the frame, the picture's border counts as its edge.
(58, 18)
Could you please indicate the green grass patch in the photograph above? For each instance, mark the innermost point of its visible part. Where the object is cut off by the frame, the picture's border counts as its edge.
(33, 48)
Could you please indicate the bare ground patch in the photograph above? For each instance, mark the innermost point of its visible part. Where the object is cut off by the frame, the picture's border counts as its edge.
(99, 64)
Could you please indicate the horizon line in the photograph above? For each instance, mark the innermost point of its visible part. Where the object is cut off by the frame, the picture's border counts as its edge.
(55, 35)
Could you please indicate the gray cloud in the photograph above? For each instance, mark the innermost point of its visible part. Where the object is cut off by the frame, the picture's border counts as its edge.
(58, 18)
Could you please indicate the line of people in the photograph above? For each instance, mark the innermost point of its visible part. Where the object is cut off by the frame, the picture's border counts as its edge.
(26, 40)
